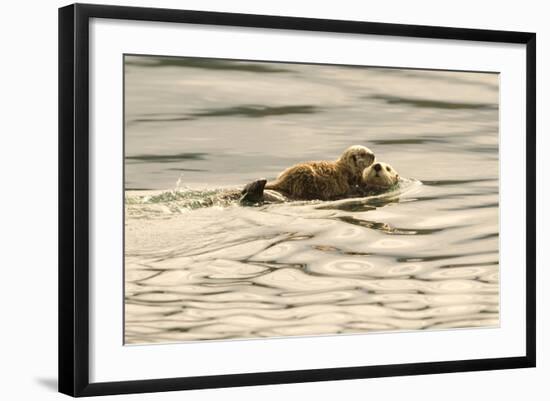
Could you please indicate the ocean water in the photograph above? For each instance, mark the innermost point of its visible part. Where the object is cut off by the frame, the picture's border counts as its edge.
(422, 256)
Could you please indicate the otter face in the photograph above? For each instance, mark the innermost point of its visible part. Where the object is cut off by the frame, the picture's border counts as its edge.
(358, 158)
(380, 175)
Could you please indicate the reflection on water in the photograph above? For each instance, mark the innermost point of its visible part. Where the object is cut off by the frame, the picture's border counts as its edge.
(239, 111)
(422, 256)
(434, 104)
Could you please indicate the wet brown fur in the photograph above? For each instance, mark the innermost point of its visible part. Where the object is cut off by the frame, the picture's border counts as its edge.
(324, 180)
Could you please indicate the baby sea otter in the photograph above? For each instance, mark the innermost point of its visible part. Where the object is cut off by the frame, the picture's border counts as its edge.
(324, 180)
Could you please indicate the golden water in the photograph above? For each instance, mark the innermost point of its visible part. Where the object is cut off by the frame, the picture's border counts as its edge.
(424, 256)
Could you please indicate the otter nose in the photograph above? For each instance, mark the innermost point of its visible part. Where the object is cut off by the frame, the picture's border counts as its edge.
(377, 167)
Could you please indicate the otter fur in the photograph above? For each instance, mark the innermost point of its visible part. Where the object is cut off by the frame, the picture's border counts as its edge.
(324, 180)
(377, 178)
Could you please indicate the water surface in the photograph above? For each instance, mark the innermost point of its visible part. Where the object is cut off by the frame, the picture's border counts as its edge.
(424, 256)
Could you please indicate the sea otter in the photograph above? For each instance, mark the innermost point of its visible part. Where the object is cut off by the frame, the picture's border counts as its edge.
(374, 179)
(378, 176)
(324, 180)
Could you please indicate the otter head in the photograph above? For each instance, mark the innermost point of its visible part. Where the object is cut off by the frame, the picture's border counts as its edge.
(380, 176)
(356, 158)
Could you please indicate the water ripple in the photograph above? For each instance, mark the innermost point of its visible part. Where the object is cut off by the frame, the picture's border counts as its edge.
(421, 256)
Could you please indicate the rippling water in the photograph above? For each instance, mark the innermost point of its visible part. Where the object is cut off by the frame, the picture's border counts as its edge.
(423, 256)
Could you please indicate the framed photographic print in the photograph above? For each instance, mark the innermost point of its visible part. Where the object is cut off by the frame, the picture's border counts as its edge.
(251, 199)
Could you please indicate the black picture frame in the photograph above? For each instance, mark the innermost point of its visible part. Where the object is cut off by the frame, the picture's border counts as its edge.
(74, 198)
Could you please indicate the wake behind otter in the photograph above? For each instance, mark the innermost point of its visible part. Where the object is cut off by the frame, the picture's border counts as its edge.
(152, 204)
